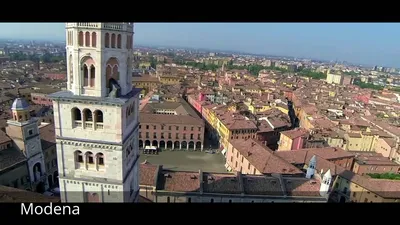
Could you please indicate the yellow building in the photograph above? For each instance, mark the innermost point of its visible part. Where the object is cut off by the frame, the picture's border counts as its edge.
(169, 79)
(334, 78)
(258, 107)
(350, 187)
(146, 82)
(360, 141)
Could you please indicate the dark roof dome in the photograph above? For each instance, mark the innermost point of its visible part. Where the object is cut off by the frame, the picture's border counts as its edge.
(19, 104)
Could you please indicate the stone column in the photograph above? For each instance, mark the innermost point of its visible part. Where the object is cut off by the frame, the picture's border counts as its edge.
(187, 146)
(202, 147)
(173, 145)
(180, 145)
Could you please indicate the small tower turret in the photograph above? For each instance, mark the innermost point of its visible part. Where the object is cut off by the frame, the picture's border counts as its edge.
(311, 167)
(325, 184)
(20, 109)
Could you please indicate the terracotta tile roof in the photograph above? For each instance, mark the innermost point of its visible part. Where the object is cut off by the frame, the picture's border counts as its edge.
(295, 133)
(169, 119)
(13, 195)
(4, 138)
(262, 158)
(148, 174)
(10, 157)
(47, 136)
(262, 185)
(372, 158)
(181, 181)
(222, 183)
(302, 187)
(144, 78)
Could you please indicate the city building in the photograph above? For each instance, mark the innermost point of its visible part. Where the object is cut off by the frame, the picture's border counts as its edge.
(333, 78)
(292, 139)
(373, 163)
(166, 186)
(22, 156)
(171, 125)
(96, 118)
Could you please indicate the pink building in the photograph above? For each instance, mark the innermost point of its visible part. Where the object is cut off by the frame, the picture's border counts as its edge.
(197, 102)
(56, 76)
(41, 99)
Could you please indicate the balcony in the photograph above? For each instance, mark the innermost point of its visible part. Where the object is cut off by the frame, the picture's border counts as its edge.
(88, 124)
(99, 126)
(77, 123)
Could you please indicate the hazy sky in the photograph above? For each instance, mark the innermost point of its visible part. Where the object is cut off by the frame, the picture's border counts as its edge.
(366, 43)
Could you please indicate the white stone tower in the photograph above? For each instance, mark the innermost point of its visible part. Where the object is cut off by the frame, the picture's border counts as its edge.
(311, 167)
(326, 184)
(24, 131)
(96, 119)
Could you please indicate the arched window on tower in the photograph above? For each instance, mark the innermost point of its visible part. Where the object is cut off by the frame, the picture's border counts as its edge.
(107, 40)
(78, 159)
(98, 118)
(76, 117)
(85, 71)
(88, 118)
(113, 40)
(119, 41)
(92, 76)
(115, 73)
(80, 38)
(89, 158)
(87, 39)
(100, 161)
(94, 39)
(128, 41)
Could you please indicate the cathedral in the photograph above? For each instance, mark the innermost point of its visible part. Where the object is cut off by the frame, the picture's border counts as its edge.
(96, 118)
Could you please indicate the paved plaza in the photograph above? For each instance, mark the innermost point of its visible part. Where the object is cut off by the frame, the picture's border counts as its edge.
(187, 161)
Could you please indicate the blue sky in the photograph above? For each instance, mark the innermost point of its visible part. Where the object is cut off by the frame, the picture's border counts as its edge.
(365, 43)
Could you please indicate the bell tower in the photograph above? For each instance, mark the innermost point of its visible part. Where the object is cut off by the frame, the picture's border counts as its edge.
(99, 58)
(24, 131)
(96, 119)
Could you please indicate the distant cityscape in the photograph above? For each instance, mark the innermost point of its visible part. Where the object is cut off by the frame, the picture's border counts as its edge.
(152, 124)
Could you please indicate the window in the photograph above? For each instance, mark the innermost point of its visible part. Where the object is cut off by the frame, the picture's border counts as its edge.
(147, 134)
(189, 200)
(89, 158)
(169, 127)
(184, 128)
(354, 194)
(230, 201)
(184, 136)
(100, 159)
(177, 136)
(199, 128)
(177, 128)
(162, 127)
(30, 132)
(191, 136)
(212, 200)
(231, 158)
(140, 134)
(191, 128)
(140, 126)
(248, 167)
(168, 199)
(154, 127)
(147, 127)
(242, 159)
(198, 136)
(79, 156)
(169, 135)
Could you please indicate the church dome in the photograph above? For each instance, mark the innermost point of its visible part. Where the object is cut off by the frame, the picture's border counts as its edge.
(19, 104)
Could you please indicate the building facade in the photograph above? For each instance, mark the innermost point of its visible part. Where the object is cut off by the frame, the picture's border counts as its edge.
(96, 119)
